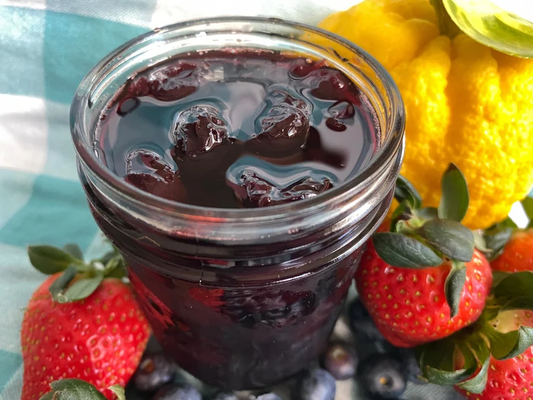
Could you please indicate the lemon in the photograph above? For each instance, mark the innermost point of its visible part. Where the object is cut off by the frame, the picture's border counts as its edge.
(466, 103)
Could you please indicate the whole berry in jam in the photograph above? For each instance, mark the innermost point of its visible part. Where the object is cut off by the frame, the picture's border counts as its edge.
(267, 307)
(283, 125)
(254, 190)
(340, 361)
(198, 129)
(154, 371)
(315, 384)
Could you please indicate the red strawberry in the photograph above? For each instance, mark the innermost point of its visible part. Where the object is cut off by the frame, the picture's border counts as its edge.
(509, 379)
(409, 305)
(91, 330)
(517, 254)
(423, 280)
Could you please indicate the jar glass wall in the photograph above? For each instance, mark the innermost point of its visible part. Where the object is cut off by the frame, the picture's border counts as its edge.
(242, 298)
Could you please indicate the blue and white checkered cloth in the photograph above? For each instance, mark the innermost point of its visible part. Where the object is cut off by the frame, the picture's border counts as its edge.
(46, 47)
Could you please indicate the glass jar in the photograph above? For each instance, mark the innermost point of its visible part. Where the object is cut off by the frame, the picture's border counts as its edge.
(242, 298)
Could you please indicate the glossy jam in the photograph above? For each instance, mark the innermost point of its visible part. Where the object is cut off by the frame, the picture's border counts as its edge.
(235, 129)
(225, 130)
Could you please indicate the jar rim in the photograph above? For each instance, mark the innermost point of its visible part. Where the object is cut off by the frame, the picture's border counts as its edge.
(392, 145)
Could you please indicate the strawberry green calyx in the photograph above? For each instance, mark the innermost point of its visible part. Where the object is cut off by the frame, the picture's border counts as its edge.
(79, 279)
(527, 204)
(76, 389)
(463, 359)
(425, 237)
(492, 241)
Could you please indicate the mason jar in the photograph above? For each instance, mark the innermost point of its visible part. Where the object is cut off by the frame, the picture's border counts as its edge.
(241, 298)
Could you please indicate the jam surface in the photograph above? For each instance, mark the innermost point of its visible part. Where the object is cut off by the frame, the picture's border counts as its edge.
(240, 128)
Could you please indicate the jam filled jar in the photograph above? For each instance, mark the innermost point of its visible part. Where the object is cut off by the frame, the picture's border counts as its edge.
(239, 165)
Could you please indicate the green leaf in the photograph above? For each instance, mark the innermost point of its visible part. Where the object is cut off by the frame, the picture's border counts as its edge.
(74, 250)
(490, 312)
(405, 191)
(398, 213)
(119, 391)
(83, 288)
(513, 286)
(59, 285)
(508, 345)
(449, 237)
(115, 267)
(479, 242)
(439, 355)
(478, 346)
(403, 251)
(477, 383)
(473, 346)
(50, 260)
(453, 287)
(497, 236)
(519, 303)
(527, 204)
(427, 213)
(447, 378)
(523, 342)
(506, 223)
(107, 257)
(498, 276)
(73, 389)
(454, 201)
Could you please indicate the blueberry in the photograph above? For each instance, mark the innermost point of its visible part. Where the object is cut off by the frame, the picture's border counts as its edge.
(315, 384)
(340, 361)
(268, 396)
(154, 371)
(177, 392)
(383, 377)
(409, 361)
(361, 323)
(225, 396)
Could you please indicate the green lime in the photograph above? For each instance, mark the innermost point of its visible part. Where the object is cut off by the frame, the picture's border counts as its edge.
(505, 25)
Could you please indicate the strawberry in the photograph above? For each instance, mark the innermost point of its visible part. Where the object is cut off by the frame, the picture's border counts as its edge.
(409, 306)
(517, 254)
(492, 358)
(423, 280)
(508, 379)
(83, 323)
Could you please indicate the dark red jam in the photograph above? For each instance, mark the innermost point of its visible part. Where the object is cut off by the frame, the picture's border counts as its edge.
(238, 129)
(234, 129)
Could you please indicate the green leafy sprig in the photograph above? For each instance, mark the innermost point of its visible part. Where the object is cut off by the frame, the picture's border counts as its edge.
(79, 279)
(77, 389)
